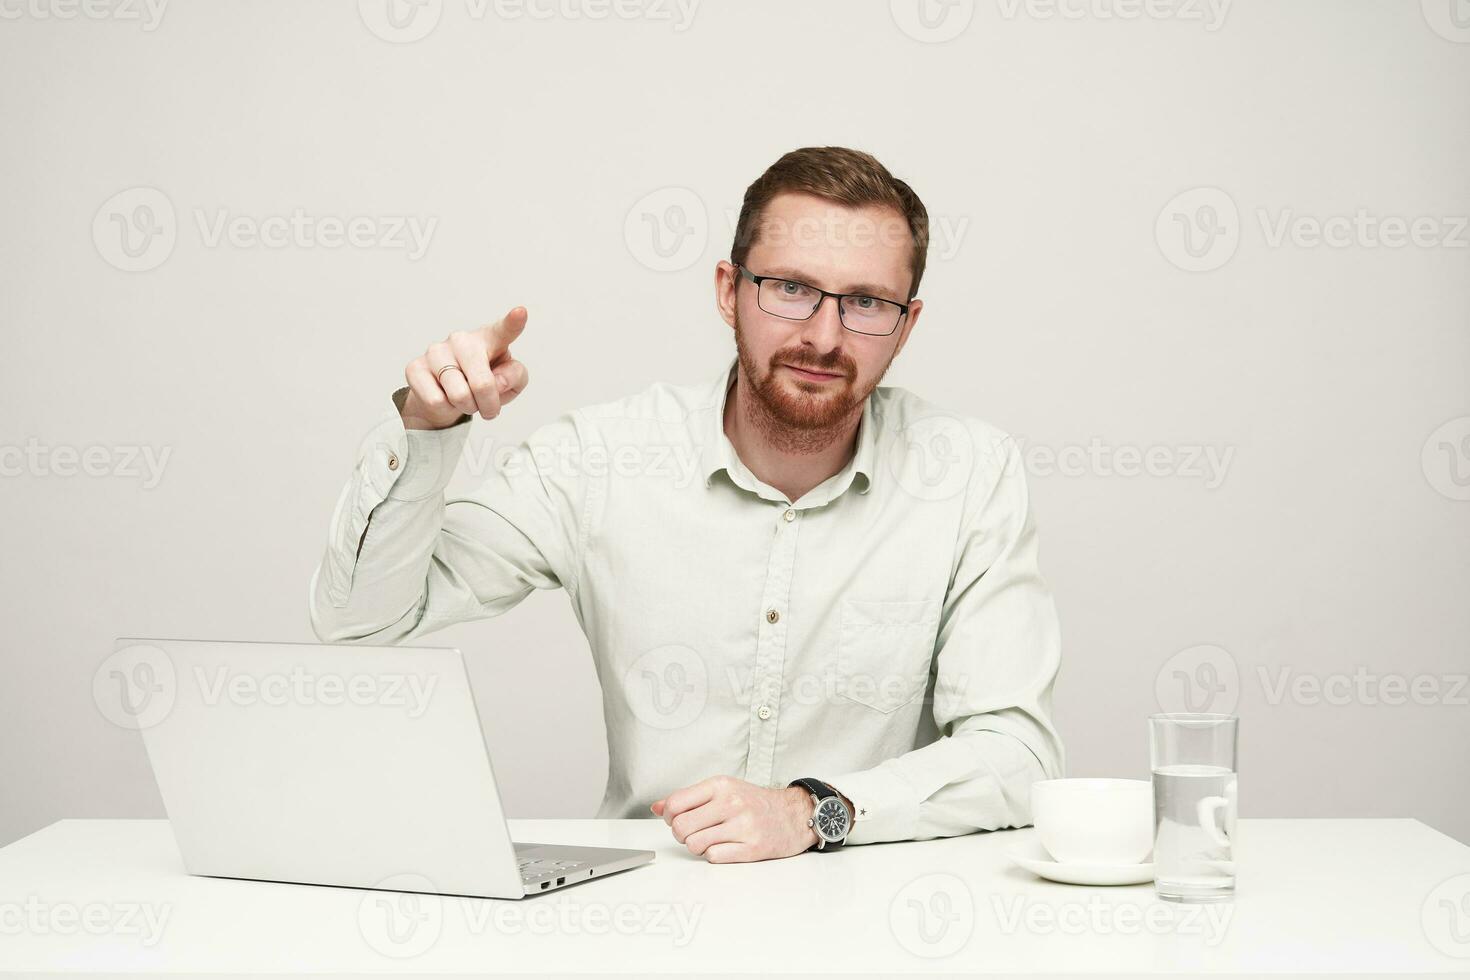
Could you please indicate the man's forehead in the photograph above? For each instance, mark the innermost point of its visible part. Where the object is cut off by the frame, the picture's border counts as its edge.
(793, 207)
(834, 245)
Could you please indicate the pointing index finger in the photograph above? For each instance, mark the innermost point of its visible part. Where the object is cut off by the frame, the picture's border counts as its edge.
(504, 331)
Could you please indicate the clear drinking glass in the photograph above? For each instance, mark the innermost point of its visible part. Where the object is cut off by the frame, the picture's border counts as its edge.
(1193, 761)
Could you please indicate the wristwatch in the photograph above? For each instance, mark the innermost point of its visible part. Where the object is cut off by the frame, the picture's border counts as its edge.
(830, 817)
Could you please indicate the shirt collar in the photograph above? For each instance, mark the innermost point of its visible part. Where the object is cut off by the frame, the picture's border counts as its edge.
(717, 453)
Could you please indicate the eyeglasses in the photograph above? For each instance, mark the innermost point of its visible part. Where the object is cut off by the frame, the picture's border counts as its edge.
(792, 300)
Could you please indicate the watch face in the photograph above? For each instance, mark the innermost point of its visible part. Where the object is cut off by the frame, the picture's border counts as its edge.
(831, 819)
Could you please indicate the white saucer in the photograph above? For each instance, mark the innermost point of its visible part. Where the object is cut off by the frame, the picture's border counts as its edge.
(1033, 857)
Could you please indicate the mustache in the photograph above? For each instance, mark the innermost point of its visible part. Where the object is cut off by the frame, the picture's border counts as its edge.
(832, 363)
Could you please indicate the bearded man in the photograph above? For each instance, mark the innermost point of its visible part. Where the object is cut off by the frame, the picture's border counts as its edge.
(813, 602)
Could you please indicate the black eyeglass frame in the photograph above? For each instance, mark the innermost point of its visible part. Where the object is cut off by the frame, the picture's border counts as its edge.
(839, 297)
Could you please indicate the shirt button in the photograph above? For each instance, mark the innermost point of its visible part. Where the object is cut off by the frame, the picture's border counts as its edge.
(789, 516)
(763, 712)
(772, 615)
(392, 461)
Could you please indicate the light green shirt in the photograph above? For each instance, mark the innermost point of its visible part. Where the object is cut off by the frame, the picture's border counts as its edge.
(889, 633)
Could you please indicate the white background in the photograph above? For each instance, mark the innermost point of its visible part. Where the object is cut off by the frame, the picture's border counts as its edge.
(1051, 145)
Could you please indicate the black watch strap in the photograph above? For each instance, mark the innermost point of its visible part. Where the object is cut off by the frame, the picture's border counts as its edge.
(822, 791)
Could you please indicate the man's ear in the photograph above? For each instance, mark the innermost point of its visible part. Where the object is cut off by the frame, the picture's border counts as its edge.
(916, 307)
(726, 281)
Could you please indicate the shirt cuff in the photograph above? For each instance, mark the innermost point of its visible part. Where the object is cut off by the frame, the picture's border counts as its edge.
(414, 463)
(885, 805)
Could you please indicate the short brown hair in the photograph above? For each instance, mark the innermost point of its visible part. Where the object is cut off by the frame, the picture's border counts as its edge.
(836, 173)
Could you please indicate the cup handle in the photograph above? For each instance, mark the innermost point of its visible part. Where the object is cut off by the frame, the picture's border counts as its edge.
(1213, 827)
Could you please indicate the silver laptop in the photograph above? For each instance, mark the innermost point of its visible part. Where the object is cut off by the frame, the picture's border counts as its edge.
(333, 765)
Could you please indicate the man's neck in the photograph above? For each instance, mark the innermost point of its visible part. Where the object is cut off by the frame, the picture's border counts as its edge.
(790, 459)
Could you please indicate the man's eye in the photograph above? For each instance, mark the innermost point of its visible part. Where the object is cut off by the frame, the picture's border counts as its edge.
(793, 288)
(865, 302)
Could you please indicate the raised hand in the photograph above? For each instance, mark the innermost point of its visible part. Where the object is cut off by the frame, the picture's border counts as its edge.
(469, 372)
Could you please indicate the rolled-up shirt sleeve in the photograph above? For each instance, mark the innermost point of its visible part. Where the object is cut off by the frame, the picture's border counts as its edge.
(997, 655)
(403, 560)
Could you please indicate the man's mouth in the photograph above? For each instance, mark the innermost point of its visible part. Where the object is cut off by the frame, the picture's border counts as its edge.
(808, 374)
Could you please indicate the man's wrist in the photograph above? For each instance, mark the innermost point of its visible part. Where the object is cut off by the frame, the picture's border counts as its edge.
(801, 807)
(414, 417)
(804, 807)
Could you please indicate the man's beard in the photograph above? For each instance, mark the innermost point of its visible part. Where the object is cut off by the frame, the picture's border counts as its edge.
(808, 419)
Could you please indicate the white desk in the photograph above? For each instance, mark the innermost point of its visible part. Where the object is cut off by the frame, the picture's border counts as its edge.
(1362, 896)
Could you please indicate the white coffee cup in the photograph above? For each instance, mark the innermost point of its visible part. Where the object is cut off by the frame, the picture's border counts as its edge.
(1094, 821)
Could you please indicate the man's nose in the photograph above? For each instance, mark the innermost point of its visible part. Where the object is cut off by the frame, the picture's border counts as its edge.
(823, 329)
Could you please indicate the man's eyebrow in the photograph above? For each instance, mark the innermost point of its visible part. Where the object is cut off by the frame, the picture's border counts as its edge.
(865, 288)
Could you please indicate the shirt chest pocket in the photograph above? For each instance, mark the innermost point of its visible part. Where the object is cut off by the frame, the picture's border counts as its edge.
(885, 650)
